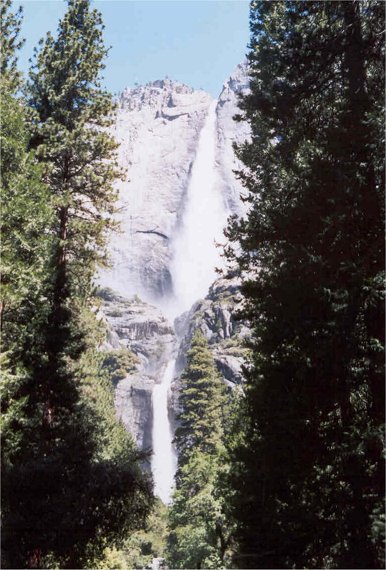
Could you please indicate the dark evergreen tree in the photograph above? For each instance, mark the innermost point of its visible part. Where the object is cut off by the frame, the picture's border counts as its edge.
(10, 23)
(307, 479)
(199, 533)
(71, 481)
(201, 401)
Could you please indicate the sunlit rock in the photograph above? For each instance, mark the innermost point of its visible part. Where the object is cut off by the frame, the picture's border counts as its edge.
(176, 146)
(216, 317)
(158, 127)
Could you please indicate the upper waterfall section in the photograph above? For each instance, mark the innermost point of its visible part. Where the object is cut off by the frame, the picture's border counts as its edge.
(158, 127)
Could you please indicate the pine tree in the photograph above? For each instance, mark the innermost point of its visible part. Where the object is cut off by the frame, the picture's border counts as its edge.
(199, 534)
(25, 212)
(307, 474)
(71, 113)
(10, 23)
(25, 216)
(71, 479)
(25, 245)
(201, 401)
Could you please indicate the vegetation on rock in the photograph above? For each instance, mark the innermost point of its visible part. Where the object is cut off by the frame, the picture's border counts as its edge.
(119, 363)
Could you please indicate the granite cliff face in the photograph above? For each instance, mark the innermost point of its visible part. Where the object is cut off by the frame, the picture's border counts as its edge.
(158, 127)
(216, 317)
(165, 130)
(231, 132)
(135, 325)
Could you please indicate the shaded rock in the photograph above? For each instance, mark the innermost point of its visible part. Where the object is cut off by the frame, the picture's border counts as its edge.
(141, 328)
(133, 402)
(216, 317)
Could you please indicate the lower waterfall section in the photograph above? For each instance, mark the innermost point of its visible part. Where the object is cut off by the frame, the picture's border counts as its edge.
(164, 461)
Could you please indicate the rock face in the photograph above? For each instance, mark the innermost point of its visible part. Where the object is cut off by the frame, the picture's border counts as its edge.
(230, 132)
(141, 328)
(158, 127)
(216, 317)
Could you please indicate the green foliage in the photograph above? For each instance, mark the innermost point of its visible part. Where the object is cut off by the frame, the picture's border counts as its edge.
(25, 243)
(72, 485)
(201, 401)
(307, 472)
(150, 542)
(26, 215)
(69, 120)
(10, 42)
(199, 533)
(139, 548)
(119, 363)
(112, 558)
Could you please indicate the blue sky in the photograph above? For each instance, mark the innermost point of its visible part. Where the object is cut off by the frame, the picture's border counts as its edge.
(198, 42)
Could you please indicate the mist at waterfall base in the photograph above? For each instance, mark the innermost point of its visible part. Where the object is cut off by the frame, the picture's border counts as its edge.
(193, 270)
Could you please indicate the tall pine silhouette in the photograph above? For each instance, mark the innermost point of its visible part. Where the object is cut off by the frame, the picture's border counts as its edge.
(307, 475)
(71, 481)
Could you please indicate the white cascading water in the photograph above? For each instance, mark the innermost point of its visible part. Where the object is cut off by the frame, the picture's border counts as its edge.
(195, 253)
(193, 271)
(164, 461)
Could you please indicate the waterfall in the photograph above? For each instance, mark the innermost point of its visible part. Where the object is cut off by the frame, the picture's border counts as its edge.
(195, 258)
(204, 218)
(164, 460)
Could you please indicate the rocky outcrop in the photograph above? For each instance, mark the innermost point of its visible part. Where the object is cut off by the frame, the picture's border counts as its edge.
(135, 325)
(230, 132)
(216, 317)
